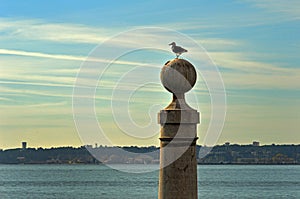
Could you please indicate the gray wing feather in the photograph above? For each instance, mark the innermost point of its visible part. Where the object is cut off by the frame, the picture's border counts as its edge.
(179, 49)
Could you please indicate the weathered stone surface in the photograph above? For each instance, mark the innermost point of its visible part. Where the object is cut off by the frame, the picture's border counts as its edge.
(178, 116)
(178, 76)
(178, 134)
(178, 180)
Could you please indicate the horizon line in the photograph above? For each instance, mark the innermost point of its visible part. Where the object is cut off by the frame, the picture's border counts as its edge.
(106, 146)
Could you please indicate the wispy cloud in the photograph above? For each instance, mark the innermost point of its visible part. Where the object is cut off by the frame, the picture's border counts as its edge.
(6, 99)
(34, 29)
(31, 92)
(67, 57)
(220, 43)
(41, 55)
(239, 71)
(241, 62)
(56, 104)
(36, 83)
(290, 9)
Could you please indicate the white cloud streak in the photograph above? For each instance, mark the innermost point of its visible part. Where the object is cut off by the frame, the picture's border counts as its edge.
(56, 104)
(66, 57)
(39, 30)
(290, 9)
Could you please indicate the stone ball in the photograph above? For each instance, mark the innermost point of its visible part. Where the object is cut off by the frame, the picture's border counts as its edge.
(178, 76)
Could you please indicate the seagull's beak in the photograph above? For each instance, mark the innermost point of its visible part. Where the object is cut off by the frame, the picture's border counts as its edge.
(170, 44)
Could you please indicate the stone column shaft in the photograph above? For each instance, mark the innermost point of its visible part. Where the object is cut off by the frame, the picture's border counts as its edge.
(178, 172)
(178, 134)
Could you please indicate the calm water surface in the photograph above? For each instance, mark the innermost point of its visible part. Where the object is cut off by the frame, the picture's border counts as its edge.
(98, 181)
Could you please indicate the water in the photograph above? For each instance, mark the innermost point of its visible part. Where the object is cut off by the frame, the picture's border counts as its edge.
(98, 181)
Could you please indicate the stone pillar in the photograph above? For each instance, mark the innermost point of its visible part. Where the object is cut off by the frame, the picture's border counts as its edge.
(178, 134)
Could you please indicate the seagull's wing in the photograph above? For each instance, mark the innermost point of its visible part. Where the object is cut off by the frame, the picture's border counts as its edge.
(179, 49)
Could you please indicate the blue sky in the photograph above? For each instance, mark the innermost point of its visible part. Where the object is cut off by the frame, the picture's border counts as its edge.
(254, 43)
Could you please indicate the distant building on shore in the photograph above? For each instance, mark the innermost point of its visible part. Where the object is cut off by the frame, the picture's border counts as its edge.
(255, 143)
(24, 145)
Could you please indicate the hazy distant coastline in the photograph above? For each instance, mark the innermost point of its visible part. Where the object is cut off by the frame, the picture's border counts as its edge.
(220, 154)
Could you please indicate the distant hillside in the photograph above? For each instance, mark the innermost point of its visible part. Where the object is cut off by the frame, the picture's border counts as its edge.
(222, 154)
(249, 154)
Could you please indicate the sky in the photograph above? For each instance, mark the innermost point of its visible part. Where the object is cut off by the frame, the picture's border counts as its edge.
(255, 45)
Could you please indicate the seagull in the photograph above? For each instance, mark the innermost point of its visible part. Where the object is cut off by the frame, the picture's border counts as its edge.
(178, 50)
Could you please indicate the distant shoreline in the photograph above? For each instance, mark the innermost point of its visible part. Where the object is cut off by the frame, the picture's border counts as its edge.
(227, 154)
